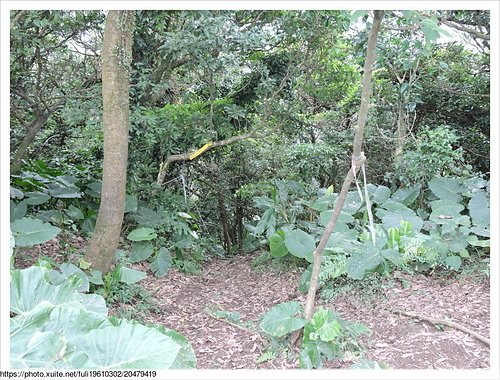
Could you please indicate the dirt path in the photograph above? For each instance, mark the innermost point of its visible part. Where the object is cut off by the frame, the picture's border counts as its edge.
(233, 286)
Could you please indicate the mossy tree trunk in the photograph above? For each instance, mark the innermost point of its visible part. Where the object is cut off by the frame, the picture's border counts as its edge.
(358, 159)
(116, 60)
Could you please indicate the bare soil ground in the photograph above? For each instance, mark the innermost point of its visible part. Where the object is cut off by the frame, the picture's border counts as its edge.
(190, 303)
(396, 340)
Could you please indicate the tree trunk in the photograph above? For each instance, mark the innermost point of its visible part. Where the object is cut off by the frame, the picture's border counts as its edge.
(401, 134)
(116, 60)
(358, 159)
(225, 224)
(31, 131)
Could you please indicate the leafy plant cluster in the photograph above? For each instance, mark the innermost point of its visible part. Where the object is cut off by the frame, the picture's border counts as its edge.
(435, 154)
(453, 223)
(56, 323)
(325, 337)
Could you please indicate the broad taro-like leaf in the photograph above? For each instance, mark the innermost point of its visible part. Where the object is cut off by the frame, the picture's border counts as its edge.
(141, 250)
(70, 191)
(448, 189)
(358, 264)
(36, 198)
(277, 245)
(140, 234)
(130, 203)
(454, 262)
(134, 346)
(381, 194)
(406, 195)
(324, 326)
(393, 213)
(343, 218)
(186, 357)
(29, 287)
(352, 203)
(67, 270)
(18, 211)
(162, 263)
(147, 217)
(28, 232)
(129, 276)
(300, 244)
(310, 357)
(75, 213)
(281, 319)
(479, 209)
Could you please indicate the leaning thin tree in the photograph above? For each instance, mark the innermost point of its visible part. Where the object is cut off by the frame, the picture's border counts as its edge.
(116, 62)
(358, 159)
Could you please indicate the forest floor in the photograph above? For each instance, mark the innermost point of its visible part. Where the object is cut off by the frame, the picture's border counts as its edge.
(196, 306)
(219, 312)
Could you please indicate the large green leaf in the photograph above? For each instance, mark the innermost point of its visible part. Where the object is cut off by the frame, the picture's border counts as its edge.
(130, 203)
(65, 192)
(147, 217)
(129, 345)
(454, 262)
(352, 203)
(300, 244)
(343, 218)
(406, 195)
(140, 234)
(67, 329)
(266, 223)
(381, 194)
(479, 209)
(141, 250)
(277, 245)
(281, 319)
(310, 357)
(325, 326)
(18, 211)
(67, 270)
(129, 276)
(448, 189)
(360, 263)
(162, 263)
(36, 198)
(186, 357)
(29, 287)
(394, 213)
(75, 213)
(28, 232)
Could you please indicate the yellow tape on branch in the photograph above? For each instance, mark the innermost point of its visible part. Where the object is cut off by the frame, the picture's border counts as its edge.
(200, 151)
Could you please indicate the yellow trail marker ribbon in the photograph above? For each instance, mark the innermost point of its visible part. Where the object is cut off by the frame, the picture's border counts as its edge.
(192, 156)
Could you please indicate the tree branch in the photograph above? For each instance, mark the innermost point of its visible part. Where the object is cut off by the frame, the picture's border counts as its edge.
(186, 156)
(17, 17)
(436, 321)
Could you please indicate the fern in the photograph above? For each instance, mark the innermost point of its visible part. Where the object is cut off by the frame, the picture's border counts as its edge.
(268, 355)
(332, 267)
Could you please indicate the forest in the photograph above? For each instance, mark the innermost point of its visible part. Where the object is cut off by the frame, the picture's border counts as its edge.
(249, 189)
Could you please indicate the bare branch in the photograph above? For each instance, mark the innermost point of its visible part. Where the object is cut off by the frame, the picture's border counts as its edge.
(17, 17)
(186, 156)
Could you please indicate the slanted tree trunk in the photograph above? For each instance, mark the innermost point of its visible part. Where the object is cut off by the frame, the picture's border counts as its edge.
(31, 131)
(358, 159)
(401, 133)
(116, 60)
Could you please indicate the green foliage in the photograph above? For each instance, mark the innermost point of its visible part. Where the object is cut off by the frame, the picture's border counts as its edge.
(28, 231)
(435, 154)
(300, 244)
(455, 220)
(56, 326)
(281, 320)
(326, 335)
